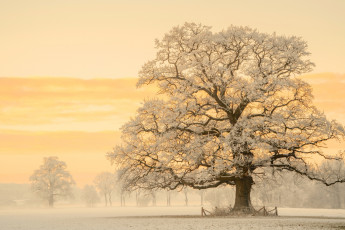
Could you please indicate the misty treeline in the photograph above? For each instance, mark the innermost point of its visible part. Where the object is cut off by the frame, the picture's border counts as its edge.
(281, 189)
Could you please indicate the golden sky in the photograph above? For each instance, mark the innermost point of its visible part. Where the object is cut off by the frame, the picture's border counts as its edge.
(68, 68)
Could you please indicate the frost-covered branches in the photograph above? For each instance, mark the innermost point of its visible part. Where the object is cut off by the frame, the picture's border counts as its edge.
(233, 106)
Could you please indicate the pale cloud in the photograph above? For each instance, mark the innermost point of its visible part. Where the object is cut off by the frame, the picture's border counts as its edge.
(57, 142)
(68, 103)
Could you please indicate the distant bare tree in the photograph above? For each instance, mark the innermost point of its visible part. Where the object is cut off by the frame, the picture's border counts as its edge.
(51, 180)
(168, 193)
(137, 197)
(123, 194)
(154, 198)
(334, 170)
(202, 193)
(105, 182)
(185, 192)
(90, 195)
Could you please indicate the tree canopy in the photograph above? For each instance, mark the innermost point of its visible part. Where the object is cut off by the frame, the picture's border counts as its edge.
(233, 106)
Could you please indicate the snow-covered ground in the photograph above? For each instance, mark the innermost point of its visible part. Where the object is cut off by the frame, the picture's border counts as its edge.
(133, 218)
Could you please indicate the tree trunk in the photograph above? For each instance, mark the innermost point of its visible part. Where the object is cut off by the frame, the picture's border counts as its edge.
(202, 197)
(123, 201)
(51, 201)
(154, 203)
(168, 198)
(109, 198)
(242, 201)
(336, 199)
(185, 197)
(105, 200)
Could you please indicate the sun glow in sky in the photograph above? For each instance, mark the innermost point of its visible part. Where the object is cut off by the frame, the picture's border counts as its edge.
(68, 69)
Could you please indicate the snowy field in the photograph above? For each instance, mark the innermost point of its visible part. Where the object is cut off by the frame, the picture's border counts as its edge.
(163, 218)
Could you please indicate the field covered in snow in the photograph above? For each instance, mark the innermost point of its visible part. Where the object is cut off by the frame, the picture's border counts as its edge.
(165, 218)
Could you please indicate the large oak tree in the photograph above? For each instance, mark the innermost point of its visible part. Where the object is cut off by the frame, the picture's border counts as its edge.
(232, 107)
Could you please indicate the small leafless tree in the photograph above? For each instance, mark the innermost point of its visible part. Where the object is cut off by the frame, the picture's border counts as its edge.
(106, 184)
(52, 181)
(168, 193)
(90, 195)
(185, 192)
